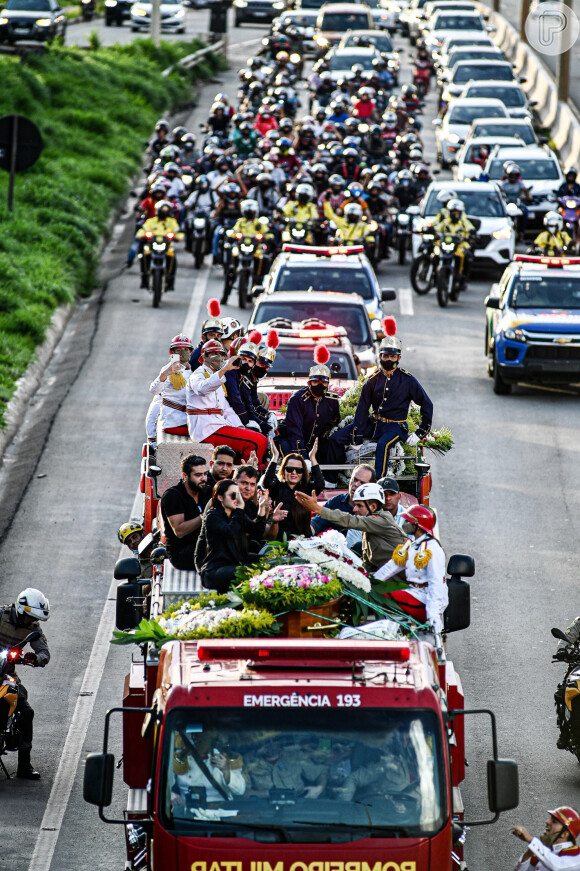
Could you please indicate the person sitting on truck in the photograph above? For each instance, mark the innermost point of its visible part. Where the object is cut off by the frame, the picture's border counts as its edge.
(196, 765)
(246, 477)
(311, 412)
(291, 479)
(170, 386)
(181, 510)
(363, 474)
(423, 559)
(380, 532)
(393, 499)
(131, 534)
(211, 419)
(226, 533)
(557, 848)
(221, 465)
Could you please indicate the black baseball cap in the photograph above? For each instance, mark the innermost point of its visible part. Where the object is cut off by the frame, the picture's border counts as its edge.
(389, 484)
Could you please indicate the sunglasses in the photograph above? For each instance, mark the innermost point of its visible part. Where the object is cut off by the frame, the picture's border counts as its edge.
(294, 469)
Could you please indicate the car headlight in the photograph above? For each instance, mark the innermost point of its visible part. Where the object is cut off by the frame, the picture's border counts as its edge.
(279, 5)
(453, 137)
(139, 11)
(3, 21)
(515, 334)
(110, 3)
(504, 233)
(180, 12)
(240, 3)
(321, 41)
(43, 22)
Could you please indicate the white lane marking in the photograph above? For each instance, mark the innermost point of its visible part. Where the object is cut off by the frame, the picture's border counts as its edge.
(193, 311)
(73, 745)
(75, 739)
(406, 301)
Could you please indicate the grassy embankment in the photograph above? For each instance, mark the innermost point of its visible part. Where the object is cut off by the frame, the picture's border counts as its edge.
(95, 109)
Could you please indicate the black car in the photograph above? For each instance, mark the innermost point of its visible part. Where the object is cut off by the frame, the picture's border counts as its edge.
(116, 11)
(38, 20)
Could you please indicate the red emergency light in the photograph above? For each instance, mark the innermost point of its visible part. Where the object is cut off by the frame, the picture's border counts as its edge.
(547, 261)
(320, 251)
(263, 650)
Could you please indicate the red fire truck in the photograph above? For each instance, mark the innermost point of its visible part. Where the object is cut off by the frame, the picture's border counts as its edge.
(294, 755)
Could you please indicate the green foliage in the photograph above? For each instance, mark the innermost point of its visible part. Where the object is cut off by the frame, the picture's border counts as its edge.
(279, 598)
(95, 109)
(246, 623)
(204, 600)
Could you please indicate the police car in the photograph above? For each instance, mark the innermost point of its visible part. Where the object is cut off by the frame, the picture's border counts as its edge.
(338, 268)
(533, 323)
(295, 357)
(316, 307)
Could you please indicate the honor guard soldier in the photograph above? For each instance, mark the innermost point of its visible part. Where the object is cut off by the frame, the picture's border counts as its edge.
(212, 328)
(238, 385)
(311, 411)
(389, 391)
(261, 406)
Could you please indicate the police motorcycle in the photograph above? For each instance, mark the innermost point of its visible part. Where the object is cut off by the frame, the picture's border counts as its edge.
(10, 737)
(246, 258)
(567, 695)
(157, 247)
(403, 227)
(449, 279)
(424, 266)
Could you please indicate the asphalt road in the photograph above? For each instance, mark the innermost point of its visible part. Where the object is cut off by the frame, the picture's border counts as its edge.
(507, 494)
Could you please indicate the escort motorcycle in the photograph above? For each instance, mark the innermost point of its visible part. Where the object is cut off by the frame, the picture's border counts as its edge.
(569, 208)
(157, 247)
(424, 266)
(567, 695)
(245, 259)
(10, 737)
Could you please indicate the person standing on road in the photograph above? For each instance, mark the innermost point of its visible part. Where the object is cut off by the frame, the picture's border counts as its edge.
(181, 509)
(16, 622)
(557, 848)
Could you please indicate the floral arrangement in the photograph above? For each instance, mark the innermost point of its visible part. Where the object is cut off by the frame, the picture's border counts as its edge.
(329, 552)
(290, 588)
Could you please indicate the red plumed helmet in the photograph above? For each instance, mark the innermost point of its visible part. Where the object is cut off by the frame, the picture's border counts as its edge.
(273, 339)
(255, 337)
(214, 308)
(321, 354)
(389, 326)
(422, 516)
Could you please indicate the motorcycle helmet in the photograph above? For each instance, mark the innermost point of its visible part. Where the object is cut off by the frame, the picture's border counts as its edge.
(163, 209)
(168, 152)
(573, 173)
(264, 180)
(369, 493)
(355, 189)
(353, 213)
(565, 815)
(231, 190)
(162, 125)
(408, 91)
(213, 354)
(456, 208)
(249, 209)
(203, 183)
(126, 530)
(554, 222)
(513, 170)
(177, 134)
(232, 328)
(218, 107)
(180, 341)
(172, 167)
(337, 183)
(445, 195)
(421, 516)
(357, 69)
(404, 175)
(350, 154)
(32, 603)
(304, 194)
(188, 142)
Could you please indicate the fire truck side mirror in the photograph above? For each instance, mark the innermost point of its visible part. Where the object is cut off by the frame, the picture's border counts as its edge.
(503, 792)
(461, 565)
(98, 782)
(458, 612)
(127, 569)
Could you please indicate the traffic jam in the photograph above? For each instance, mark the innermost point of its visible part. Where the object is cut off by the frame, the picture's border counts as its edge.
(286, 601)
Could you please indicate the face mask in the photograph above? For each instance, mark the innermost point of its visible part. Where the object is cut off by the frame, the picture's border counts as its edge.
(317, 389)
(245, 368)
(215, 362)
(389, 365)
(260, 371)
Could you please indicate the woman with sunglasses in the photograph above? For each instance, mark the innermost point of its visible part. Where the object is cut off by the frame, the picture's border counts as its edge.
(292, 477)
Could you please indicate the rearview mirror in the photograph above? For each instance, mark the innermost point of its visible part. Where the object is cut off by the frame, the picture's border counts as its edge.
(557, 633)
(513, 210)
(503, 791)
(127, 569)
(491, 302)
(257, 290)
(437, 122)
(461, 565)
(388, 294)
(98, 780)
(413, 210)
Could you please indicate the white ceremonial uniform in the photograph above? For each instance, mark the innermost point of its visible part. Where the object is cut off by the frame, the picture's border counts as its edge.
(427, 585)
(196, 777)
(151, 420)
(173, 408)
(205, 390)
(562, 857)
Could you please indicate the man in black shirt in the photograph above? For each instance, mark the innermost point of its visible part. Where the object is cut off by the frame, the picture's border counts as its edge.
(181, 509)
(221, 465)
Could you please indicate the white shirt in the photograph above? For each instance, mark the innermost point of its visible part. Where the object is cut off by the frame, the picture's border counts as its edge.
(196, 777)
(435, 595)
(171, 417)
(205, 389)
(562, 857)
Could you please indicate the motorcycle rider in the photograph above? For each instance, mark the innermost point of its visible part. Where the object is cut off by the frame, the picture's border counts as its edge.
(301, 210)
(160, 225)
(569, 187)
(557, 848)
(406, 190)
(458, 224)
(351, 228)
(514, 191)
(249, 224)
(16, 622)
(244, 140)
(226, 214)
(389, 391)
(378, 206)
(265, 193)
(554, 240)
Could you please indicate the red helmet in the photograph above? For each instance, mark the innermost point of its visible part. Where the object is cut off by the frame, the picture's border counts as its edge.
(236, 345)
(565, 815)
(180, 341)
(422, 516)
(214, 346)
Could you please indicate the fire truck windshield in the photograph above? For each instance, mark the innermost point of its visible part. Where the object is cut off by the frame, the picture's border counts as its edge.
(293, 774)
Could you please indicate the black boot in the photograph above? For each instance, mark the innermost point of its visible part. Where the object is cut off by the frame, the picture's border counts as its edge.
(144, 281)
(25, 767)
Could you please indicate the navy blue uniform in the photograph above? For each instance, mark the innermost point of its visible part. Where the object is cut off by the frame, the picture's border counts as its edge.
(309, 417)
(256, 411)
(234, 397)
(194, 360)
(389, 396)
(563, 190)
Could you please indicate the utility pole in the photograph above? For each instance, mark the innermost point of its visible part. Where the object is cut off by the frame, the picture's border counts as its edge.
(563, 69)
(495, 5)
(524, 12)
(156, 21)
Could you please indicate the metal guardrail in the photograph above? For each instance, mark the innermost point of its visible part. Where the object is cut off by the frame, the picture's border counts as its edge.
(192, 60)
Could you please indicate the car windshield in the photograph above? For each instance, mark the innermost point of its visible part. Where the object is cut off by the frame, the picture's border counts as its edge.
(346, 774)
(550, 292)
(353, 318)
(540, 169)
(480, 204)
(467, 114)
(379, 40)
(295, 360)
(501, 72)
(330, 278)
(452, 42)
(457, 22)
(344, 61)
(473, 54)
(512, 97)
(341, 21)
(28, 6)
(524, 131)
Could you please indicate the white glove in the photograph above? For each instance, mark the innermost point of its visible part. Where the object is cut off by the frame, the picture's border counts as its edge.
(273, 421)
(413, 440)
(253, 425)
(308, 465)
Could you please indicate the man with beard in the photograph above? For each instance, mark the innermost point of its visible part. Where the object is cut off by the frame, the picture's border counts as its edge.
(389, 392)
(181, 509)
